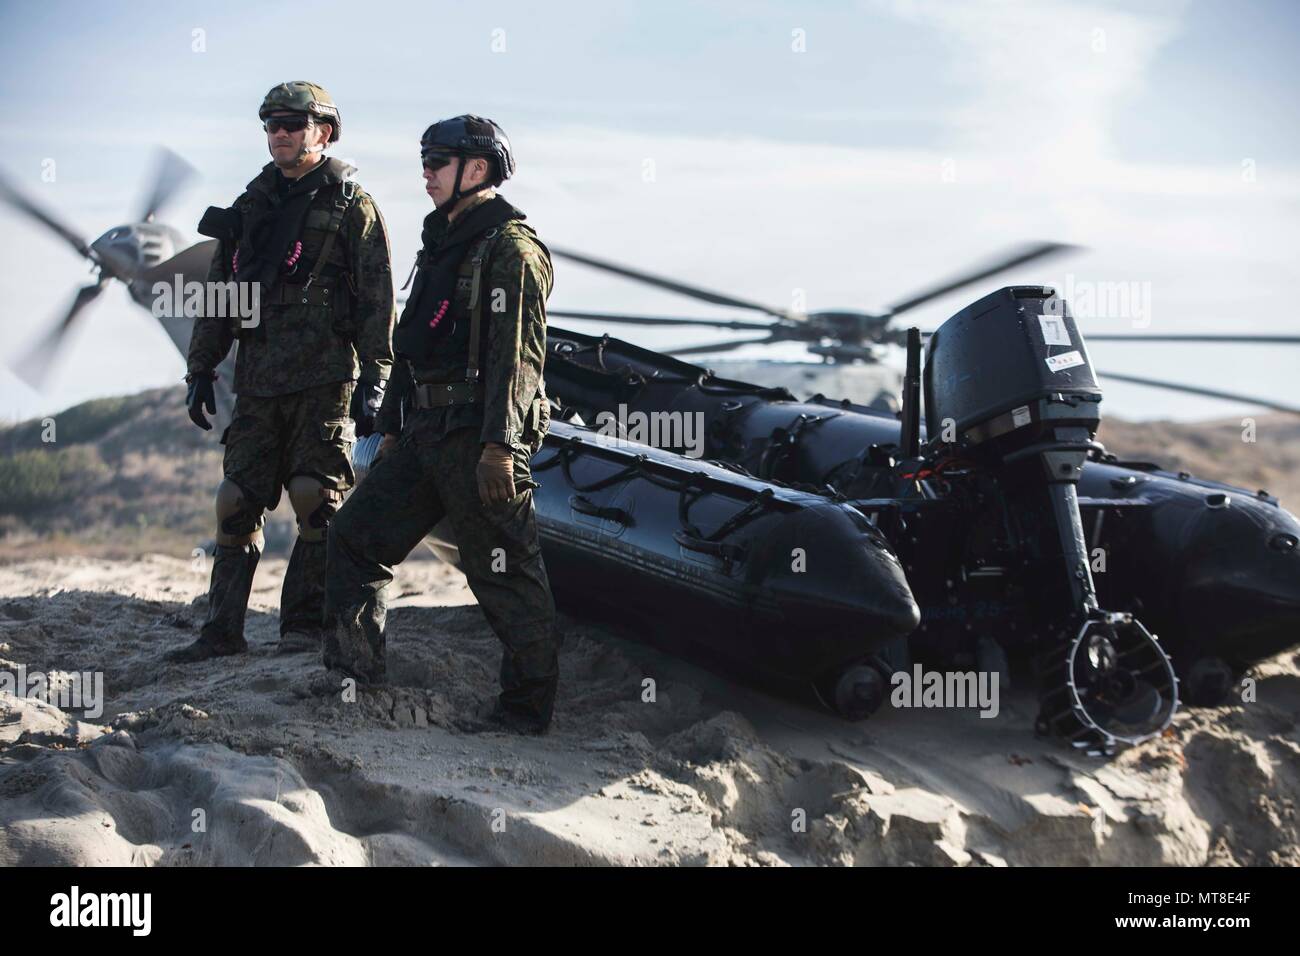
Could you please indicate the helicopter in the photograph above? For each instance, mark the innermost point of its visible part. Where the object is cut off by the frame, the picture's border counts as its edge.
(857, 339)
(139, 254)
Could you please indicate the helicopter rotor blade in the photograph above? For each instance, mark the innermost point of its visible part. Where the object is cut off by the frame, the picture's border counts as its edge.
(717, 298)
(1016, 256)
(24, 205)
(171, 173)
(720, 346)
(1195, 390)
(1242, 339)
(657, 320)
(34, 365)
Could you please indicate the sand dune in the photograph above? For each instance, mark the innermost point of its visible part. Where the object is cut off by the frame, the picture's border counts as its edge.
(279, 769)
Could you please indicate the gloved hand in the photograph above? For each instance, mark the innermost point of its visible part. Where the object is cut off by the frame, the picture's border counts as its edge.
(496, 474)
(201, 394)
(366, 399)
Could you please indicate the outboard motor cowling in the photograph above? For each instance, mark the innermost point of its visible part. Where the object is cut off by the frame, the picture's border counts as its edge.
(1008, 385)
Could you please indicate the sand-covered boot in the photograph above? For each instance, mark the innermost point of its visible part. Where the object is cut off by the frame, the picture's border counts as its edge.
(232, 582)
(302, 599)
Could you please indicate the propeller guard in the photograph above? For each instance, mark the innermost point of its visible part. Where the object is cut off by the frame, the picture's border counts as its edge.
(1112, 685)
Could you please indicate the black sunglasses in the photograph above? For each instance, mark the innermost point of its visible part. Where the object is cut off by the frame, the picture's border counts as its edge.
(290, 124)
(435, 161)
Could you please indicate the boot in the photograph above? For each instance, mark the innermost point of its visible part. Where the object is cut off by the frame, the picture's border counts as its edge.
(494, 716)
(354, 644)
(299, 642)
(302, 599)
(222, 633)
(529, 676)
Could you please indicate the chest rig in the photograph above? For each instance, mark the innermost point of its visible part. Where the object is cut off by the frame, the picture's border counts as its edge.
(268, 243)
(313, 291)
(468, 390)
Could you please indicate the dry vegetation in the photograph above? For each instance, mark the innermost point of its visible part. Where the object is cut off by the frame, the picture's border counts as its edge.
(123, 477)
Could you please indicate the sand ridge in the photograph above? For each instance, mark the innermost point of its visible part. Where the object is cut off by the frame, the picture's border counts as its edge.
(280, 769)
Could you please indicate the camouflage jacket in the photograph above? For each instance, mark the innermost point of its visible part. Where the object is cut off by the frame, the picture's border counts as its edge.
(295, 345)
(516, 284)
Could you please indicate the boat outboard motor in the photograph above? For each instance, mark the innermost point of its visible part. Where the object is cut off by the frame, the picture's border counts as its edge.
(1008, 385)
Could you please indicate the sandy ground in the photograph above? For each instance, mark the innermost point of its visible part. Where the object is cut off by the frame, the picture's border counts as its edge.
(251, 761)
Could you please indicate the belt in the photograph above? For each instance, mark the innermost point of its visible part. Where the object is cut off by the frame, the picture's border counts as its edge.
(441, 394)
(285, 294)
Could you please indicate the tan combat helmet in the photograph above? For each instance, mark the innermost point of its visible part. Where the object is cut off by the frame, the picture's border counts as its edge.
(303, 97)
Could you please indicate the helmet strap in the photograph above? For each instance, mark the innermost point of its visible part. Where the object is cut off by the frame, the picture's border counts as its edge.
(457, 194)
(306, 151)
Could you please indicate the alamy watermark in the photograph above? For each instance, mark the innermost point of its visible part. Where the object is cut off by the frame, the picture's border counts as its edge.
(670, 430)
(75, 690)
(1104, 300)
(221, 300)
(946, 689)
(75, 908)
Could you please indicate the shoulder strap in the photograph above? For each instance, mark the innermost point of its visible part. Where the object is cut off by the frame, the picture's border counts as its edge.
(476, 302)
(344, 196)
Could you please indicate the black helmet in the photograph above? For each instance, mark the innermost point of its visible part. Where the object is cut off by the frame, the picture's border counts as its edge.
(471, 136)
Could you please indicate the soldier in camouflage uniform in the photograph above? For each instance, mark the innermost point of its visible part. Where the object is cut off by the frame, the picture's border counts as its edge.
(464, 413)
(309, 374)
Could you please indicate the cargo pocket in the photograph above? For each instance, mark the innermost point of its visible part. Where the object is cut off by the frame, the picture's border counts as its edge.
(240, 421)
(339, 434)
(342, 430)
(514, 526)
(537, 421)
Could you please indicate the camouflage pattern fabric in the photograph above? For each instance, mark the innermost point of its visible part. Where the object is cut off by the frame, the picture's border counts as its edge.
(299, 96)
(297, 346)
(269, 441)
(272, 439)
(425, 478)
(515, 411)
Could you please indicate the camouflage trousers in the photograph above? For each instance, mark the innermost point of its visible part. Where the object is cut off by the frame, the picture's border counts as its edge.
(413, 487)
(270, 442)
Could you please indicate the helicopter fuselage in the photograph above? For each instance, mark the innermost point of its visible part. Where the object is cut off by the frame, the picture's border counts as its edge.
(127, 251)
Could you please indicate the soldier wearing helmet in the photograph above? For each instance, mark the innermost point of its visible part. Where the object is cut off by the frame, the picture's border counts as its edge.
(462, 417)
(309, 371)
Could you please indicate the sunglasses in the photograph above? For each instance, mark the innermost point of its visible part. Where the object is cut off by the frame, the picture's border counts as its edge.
(290, 124)
(435, 161)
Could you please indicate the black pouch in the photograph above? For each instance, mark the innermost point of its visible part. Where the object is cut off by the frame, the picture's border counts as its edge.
(224, 224)
(343, 308)
(533, 429)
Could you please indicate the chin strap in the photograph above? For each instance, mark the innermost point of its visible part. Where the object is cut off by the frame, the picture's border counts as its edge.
(306, 151)
(457, 194)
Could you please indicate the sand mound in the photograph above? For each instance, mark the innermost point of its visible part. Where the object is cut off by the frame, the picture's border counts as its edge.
(265, 759)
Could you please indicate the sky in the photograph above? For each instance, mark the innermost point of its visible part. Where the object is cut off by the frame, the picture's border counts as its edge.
(823, 154)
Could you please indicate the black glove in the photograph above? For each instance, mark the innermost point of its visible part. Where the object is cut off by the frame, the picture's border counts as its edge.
(366, 399)
(201, 394)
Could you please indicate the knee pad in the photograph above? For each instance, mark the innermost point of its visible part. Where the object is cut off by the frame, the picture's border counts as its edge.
(239, 521)
(314, 505)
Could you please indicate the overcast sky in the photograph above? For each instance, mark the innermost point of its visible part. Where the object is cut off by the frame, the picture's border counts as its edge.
(847, 153)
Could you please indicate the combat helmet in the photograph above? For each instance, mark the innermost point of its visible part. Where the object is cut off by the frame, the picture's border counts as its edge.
(470, 135)
(303, 97)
